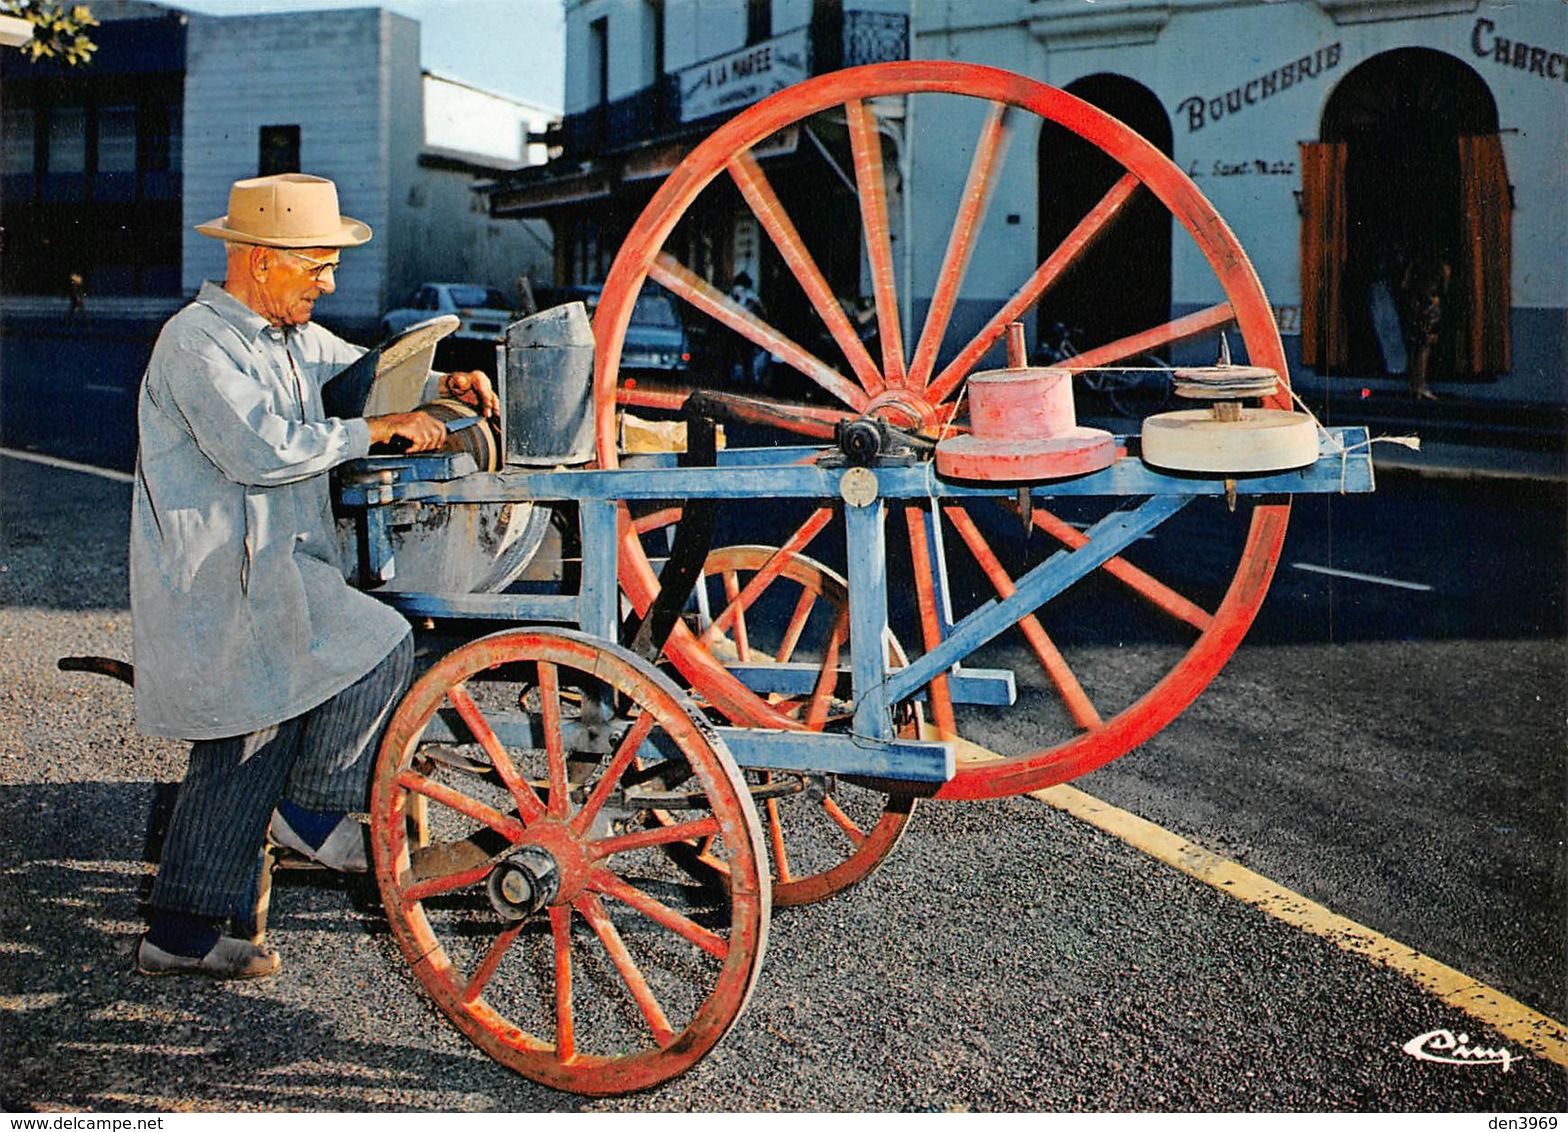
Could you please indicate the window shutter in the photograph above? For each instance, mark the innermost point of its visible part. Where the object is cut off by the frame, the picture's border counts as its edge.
(1324, 342)
(1486, 255)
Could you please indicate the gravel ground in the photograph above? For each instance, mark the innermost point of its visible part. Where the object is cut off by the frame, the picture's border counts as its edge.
(1006, 958)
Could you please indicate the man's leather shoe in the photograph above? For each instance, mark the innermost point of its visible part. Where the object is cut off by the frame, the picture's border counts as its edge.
(229, 958)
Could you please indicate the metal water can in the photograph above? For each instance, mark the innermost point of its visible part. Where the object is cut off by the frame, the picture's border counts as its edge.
(549, 388)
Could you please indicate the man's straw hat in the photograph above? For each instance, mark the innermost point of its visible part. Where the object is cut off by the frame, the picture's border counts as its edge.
(287, 210)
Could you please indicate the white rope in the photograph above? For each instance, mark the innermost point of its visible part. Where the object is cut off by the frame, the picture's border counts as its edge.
(1343, 450)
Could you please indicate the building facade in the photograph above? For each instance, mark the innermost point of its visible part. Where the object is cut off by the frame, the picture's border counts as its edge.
(107, 168)
(1366, 153)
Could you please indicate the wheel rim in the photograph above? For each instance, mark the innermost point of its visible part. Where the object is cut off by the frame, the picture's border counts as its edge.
(911, 389)
(542, 919)
(823, 834)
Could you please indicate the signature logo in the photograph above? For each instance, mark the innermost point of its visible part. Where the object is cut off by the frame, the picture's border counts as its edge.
(1448, 1048)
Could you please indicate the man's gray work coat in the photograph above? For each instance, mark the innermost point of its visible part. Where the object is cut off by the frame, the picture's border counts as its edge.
(241, 617)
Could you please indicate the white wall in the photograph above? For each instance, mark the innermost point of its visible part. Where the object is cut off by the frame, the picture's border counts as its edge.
(351, 80)
(323, 71)
(464, 121)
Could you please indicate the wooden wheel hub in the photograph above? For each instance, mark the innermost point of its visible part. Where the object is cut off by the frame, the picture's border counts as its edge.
(525, 883)
(572, 865)
(901, 408)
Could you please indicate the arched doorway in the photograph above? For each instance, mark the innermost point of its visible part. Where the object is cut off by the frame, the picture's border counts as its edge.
(1406, 223)
(1123, 284)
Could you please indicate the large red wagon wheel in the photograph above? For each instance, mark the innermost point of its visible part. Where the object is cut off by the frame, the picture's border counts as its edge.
(1101, 710)
(544, 916)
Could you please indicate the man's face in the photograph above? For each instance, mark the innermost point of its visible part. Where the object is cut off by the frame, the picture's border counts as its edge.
(291, 280)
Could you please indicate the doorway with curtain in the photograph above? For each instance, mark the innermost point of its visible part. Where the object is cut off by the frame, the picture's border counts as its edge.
(1406, 240)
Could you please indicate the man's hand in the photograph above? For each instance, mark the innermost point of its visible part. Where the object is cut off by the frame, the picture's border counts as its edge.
(422, 431)
(472, 387)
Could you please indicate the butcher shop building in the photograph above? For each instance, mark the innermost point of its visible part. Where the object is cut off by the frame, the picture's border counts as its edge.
(1382, 162)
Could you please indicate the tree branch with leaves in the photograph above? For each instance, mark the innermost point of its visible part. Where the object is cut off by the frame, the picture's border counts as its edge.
(59, 32)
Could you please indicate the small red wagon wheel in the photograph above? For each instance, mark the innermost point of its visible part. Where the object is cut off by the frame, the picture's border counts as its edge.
(763, 606)
(1193, 598)
(544, 916)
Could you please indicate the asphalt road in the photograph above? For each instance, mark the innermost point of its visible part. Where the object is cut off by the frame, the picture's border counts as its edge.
(1007, 957)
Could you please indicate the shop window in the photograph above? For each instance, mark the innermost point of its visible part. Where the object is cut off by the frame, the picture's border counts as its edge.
(116, 139)
(599, 60)
(116, 157)
(279, 150)
(759, 20)
(68, 139)
(16, 141)
(160, 151)
(66, 154)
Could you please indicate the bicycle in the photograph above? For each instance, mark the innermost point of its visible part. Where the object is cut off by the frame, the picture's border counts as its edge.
(1138, 386)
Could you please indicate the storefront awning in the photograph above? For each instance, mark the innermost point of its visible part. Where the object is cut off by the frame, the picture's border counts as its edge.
(538, 197)
(535, 192)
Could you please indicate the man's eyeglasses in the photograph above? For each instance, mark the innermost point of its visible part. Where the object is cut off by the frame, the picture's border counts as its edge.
(319, 268)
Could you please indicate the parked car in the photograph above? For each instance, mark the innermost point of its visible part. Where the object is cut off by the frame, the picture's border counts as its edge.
(485, 311)
(656, 338)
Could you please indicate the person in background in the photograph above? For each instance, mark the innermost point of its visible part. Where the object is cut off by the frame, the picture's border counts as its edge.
(748, 361)
(247, 639)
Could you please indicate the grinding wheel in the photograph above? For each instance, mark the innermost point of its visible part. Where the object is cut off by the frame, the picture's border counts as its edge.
(1260, 440)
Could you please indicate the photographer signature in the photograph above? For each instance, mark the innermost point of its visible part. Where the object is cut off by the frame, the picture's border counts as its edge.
(1450, 1049)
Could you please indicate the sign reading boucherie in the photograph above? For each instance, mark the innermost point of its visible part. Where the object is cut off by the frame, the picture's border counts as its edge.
(742, 77)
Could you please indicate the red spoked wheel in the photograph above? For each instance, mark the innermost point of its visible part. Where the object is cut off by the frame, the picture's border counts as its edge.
(763, 606)
(544, 916)
(1190, 595)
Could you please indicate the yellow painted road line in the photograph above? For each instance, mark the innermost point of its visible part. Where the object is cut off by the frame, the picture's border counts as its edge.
(1529, 1028)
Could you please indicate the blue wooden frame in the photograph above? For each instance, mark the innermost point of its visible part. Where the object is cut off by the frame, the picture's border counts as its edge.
(1343, 467)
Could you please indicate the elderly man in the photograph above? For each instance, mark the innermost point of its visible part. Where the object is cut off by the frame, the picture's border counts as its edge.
(247, 639)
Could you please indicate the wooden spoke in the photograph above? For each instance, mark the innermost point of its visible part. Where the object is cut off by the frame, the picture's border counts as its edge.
(642, 994)
(647, 838)
(555, 753)
(867, 149)
(630, 744)
(735, 613)
(453, 799)
(827, 679)
(930, 625)
(657, 520)
(797, 625)
(793, 546)
(492, 960)
(528, 803)
(775, 830)
(1067, 685)
(989, 150)
(1145, 585)
(1155, 338)
(660, 913)
(565, 1017)
(1055, 265)
(764, 202)
(857, 836)
(706, 298)
(448, 882)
